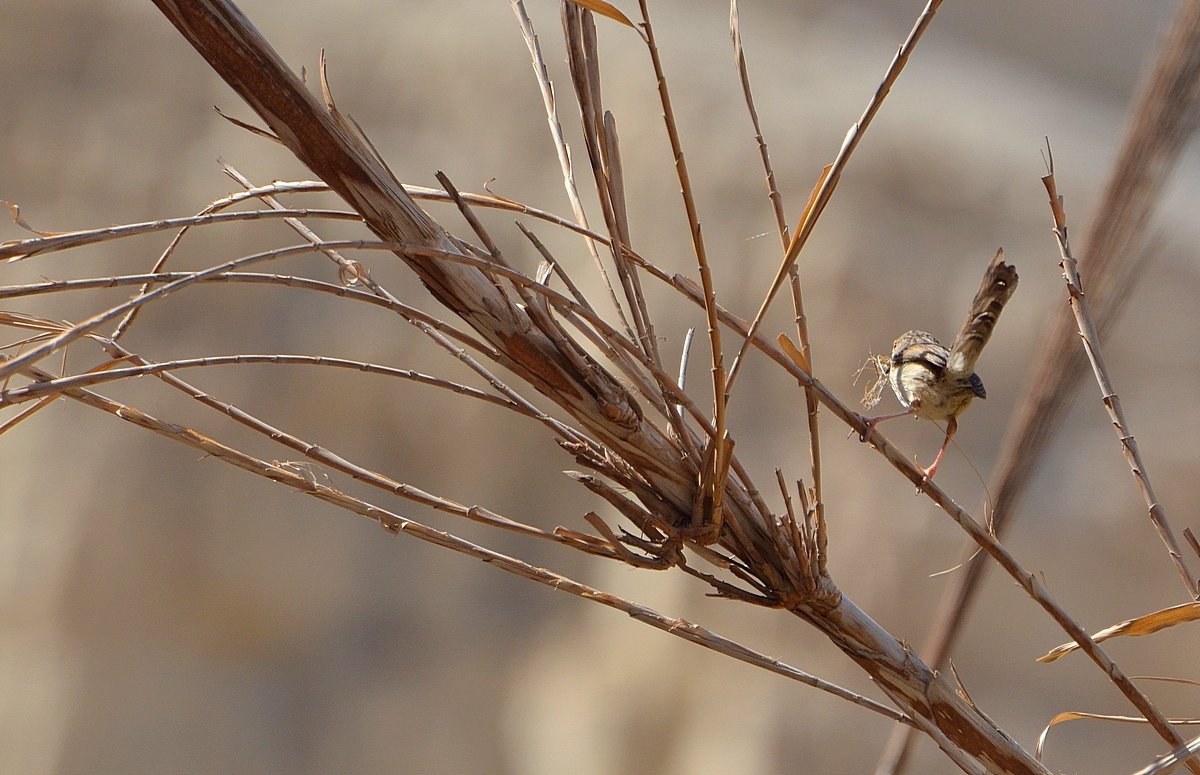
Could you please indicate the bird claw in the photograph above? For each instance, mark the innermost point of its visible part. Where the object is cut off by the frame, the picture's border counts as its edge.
(927, 476)
(869, 424)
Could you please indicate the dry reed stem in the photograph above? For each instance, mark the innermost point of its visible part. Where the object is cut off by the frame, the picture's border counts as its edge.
(254, 278)
(19, 250)
(1079, 715)
(582, 61)
(712, 481)
(1108, 395)
(563, 152)
(739, 56)
(801, 320)
(810, 400)
(1192, 541)
(1172, 760)
(35, 390)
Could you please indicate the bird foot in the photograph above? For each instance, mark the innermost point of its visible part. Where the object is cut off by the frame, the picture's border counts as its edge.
(869, 423)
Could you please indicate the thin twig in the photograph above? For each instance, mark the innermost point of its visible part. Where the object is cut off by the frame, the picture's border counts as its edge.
(22, 249)
(797, 542)
(1192, 540)
(794, 272)
(712, 481)
(614, 176)
(1108, 396)
(832, 175)
(83, 328)
(810, 398)
(291, 281)
(1172, 760)
(19, 249)
(36, 390)
(739, 55)
(618, 546)
(555, 265)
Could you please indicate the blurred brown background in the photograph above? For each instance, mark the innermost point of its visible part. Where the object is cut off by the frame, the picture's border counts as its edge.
(165, 613)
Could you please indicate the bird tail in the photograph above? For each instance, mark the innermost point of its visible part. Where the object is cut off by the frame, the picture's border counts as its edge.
(998, 285)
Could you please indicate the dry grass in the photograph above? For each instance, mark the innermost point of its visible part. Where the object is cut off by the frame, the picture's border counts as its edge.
(661, 456)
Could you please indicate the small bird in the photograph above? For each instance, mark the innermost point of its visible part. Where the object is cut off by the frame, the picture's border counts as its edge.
(936, 383)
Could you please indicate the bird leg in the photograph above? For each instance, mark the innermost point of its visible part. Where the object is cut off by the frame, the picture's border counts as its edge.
(951, 427)
(871, 422)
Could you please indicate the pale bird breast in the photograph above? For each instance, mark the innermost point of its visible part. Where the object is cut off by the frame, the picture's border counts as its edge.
(935, 393)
